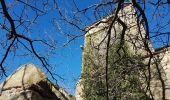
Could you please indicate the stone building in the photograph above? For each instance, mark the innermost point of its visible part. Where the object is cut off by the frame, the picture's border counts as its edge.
(95, 48)
(30, 83)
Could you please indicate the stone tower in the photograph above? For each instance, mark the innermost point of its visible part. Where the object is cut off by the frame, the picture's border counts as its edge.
(94, 51)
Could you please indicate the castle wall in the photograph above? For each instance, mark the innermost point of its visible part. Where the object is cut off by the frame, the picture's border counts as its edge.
(96, 43)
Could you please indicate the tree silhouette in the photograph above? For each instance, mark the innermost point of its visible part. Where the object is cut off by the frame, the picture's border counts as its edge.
(18, 18)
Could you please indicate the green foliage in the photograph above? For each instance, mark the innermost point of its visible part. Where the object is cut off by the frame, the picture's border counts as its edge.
(123, 74)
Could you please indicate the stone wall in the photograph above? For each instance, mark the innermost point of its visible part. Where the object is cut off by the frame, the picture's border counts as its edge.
(29, 83)
(96, 40)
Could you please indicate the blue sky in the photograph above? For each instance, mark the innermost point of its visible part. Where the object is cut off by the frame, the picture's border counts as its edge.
(65, 61)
